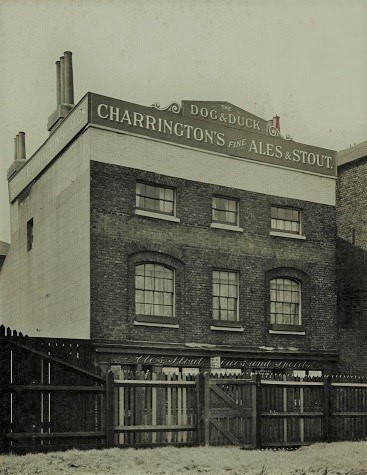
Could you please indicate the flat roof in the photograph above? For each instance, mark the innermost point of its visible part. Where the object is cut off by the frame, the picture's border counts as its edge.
(352, 153)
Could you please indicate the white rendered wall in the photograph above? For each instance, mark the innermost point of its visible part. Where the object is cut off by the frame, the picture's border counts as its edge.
(46, 291)
(177, 161)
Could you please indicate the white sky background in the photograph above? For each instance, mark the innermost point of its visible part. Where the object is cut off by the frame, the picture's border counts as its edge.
(301, 59)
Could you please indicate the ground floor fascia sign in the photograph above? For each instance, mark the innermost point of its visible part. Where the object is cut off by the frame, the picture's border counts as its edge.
(172, 126)
(222, 362)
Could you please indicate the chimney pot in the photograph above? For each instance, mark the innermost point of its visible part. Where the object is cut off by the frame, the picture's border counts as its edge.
(62, 80)
(21, 148)
(58, 83)
(15, 148)
(69, 87)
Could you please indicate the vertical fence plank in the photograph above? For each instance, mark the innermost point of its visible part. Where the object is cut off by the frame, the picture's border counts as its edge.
(257, 409)
(327, 409)
(203, 402)
(110, 415)
(121, 407)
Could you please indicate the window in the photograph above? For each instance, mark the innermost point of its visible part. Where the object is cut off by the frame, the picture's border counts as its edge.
(285, 301)
(29, 234)
(225, 211)
(156, 199)
(225, 295)
(287, 220)
(154, 290)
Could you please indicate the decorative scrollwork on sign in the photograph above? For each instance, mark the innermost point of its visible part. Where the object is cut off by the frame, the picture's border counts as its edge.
(274, 132)
(174, 107)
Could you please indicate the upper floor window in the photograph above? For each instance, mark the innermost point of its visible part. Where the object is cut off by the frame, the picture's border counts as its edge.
(285, 301)
(154, 290)
(155, 198)
(287, 220)
(225, 295)
(29, 234)
(225, 211)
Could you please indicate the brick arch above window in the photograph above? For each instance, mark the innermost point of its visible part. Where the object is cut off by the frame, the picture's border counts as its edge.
(156, 257)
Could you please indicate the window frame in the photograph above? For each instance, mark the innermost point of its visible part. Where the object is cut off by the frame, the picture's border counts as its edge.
(226, 223)
(30, 234)
(299, 292)
(280, 231)
(303, 279)
(219, 321)
(153, 211)
(149, 316)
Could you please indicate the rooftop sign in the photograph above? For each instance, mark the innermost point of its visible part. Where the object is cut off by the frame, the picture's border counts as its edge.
(217, 127)
(247, 137)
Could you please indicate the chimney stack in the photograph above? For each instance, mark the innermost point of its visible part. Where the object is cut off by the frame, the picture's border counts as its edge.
(19, 155)
(69, 86)
(58, 84)
(64, 91)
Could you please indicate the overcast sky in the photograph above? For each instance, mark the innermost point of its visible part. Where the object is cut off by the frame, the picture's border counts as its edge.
(301, 59)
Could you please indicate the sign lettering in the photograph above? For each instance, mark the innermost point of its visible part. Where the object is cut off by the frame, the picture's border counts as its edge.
(191, 131)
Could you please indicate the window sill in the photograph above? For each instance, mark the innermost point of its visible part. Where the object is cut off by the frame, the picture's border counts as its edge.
(226, 326)
(287, 329)
(151, 214)
(155, 321)
(287, 235)
(152, 324)
(227, 227)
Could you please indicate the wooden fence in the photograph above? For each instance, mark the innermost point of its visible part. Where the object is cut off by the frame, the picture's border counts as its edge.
(47, 403)
(50, 403)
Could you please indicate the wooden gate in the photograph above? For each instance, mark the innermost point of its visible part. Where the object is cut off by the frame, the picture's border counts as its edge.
(155, 409)
(228, 410)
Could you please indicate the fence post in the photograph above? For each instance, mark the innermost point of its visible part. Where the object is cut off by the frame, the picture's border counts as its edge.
(256, 411)
(203, 405)
(110, 416)
(327, 408)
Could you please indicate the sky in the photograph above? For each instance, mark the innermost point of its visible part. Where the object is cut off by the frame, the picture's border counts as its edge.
(304, 60)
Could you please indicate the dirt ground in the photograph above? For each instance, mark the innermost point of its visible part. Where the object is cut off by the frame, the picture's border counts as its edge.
(347, 458)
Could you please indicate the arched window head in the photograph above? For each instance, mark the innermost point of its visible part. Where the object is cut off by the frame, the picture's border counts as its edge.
(285, 301)
(154, 290)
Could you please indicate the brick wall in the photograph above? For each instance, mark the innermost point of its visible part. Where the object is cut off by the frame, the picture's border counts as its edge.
(119, 239)
(352, 264)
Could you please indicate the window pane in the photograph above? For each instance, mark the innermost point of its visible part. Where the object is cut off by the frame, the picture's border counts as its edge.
(155, 198)
(225, 210)
(154, 288)
(284, 298)
(285, 219)
(225, 293)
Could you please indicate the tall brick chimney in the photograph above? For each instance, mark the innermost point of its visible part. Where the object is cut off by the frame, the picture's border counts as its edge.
(19, 155)
(64, 91)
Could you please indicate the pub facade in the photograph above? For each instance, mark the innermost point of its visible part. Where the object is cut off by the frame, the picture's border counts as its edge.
(176, 238)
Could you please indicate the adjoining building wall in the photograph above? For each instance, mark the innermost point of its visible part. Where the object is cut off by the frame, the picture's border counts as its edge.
(45, 291)
(352, 257)
(120, 239)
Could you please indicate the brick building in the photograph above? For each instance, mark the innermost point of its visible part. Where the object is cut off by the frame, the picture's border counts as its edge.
(352, 256)
(185, 237)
